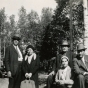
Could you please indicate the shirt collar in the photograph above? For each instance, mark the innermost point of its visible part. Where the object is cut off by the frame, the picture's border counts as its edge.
(83, 58)
(15, 46)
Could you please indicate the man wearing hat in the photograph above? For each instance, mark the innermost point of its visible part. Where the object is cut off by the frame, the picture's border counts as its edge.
(64, 52)
(80, 65)
(13, 59)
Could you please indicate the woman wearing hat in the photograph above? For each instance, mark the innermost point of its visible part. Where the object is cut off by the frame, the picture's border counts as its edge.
(63, 75)
(81, 67)
(31, 65)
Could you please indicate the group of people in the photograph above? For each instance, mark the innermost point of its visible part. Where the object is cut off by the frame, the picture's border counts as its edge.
(66, 69)
(61, 72)
(21, 66)
(69, 70)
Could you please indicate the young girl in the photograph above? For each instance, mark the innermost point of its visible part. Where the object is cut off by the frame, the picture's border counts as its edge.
(63, 75)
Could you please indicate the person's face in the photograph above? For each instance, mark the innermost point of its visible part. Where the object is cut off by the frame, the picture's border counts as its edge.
(15, 42)
(81, 53)
(23, 45)
(29, 51)
(64, 48)
(64, 62)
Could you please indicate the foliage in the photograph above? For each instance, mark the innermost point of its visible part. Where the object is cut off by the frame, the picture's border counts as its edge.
(46, 16)
(59, 28)
(22, 22)
(46, 32)
(54, 32)
(2, 19)
(32, 27)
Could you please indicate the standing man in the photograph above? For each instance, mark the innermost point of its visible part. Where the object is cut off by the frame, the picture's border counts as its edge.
(64, 52)
(13, 60)
(81, 67)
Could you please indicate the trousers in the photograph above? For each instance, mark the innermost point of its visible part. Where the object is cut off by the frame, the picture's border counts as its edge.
(50, 81)
(15, 81)
(80, 81)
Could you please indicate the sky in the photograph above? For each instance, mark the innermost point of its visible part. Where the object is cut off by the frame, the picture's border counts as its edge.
(13, 6)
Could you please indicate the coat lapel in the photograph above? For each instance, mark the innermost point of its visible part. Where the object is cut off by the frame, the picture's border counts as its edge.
(20, 49)
(32, 59)
(86, 61)
(82, 64)
(13, 48)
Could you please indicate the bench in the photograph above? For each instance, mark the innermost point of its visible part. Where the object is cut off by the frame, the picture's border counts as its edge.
(67, 85)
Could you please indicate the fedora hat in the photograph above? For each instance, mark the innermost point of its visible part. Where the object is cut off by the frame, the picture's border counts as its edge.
(80, 47)
(16, 37)
(65, 43)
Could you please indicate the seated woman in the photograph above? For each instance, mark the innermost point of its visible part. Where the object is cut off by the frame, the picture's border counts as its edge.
(63, 75)
(30, 65)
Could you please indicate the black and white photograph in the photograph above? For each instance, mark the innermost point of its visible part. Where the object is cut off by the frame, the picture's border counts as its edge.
(43, 43)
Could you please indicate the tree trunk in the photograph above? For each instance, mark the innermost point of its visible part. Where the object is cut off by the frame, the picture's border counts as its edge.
(0, 54)
(85, 4)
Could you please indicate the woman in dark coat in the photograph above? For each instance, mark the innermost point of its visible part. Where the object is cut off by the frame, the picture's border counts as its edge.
(31, 65)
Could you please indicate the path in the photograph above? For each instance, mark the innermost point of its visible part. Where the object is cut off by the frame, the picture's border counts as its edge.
(42, 81)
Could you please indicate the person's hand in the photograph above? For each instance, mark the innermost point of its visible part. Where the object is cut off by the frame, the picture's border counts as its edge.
(61, 82)
(52, 73)
(27, 75)
(9, 74)
(85, 73)
(57, 81)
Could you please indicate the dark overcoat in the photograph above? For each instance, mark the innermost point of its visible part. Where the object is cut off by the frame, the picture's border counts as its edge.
(14, 66)
(80, 80)
(11, 59)
(33, 68)
(79, 66)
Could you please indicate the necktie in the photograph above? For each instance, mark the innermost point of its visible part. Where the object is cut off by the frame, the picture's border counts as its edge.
(18, 52)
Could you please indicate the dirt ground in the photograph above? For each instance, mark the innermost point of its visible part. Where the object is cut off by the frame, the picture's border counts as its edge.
(3, 82)
(42, 81)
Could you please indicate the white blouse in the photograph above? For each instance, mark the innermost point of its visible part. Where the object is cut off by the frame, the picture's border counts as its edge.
(30, 57)
(63, 73)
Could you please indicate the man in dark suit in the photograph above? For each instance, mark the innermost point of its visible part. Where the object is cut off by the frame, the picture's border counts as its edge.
(64, 52)
(13, 59)
(81, 66)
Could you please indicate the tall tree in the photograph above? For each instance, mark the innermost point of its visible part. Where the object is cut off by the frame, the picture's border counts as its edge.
(2, 19)
(12, 21)
(46, 16)
(59, 27)
(2, 28)
(33, 28)
(22, 21)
